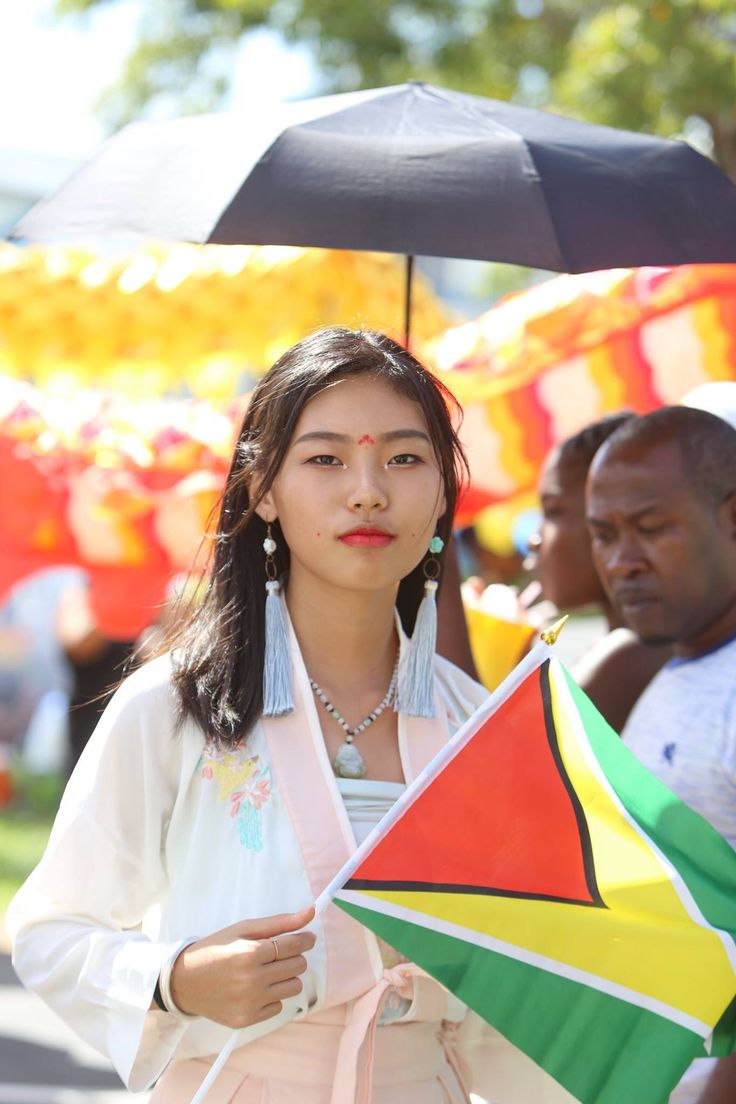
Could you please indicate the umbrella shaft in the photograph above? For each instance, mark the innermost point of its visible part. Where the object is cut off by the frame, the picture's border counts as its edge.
(407, 299)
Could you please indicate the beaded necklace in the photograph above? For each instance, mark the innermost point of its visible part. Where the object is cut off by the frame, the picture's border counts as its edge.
(348, 762)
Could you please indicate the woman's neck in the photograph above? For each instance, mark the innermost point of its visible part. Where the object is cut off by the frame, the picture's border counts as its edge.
(346, 637)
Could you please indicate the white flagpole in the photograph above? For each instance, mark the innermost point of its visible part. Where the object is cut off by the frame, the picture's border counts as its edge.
(215, 1068)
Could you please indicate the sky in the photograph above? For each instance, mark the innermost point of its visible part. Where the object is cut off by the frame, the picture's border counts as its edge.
(52, 70)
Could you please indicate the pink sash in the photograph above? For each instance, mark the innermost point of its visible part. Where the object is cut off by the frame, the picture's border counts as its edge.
(300, 762)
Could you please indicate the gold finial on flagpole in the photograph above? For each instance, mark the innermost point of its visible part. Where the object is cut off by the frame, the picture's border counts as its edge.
(549, 636)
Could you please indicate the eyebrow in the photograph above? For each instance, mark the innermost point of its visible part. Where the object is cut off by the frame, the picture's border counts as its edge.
(345, 439)
(637, 516)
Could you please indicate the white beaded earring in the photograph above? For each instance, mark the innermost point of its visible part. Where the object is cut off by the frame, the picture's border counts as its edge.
(415, 693)
(278, 697)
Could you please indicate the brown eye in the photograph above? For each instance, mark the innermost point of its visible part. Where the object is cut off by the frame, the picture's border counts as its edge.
(405, 458)
(324, 461)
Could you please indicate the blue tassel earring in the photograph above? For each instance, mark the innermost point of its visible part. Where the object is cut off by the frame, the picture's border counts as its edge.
(278, 697)
(415, 693)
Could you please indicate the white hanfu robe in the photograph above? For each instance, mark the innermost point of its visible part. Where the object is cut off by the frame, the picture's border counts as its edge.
(161, 838)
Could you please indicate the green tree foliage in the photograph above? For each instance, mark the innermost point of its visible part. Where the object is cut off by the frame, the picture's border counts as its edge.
(664, 66)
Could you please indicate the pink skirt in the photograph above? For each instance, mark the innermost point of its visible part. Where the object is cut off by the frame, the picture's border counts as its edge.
(411, 1063)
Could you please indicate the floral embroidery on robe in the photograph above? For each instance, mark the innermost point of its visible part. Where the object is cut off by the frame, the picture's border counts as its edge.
(244, 784)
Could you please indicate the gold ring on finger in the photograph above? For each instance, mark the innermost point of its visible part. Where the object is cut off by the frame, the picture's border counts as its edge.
(275, 950)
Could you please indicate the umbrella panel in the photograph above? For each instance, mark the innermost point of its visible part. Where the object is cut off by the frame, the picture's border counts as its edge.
(411, 169)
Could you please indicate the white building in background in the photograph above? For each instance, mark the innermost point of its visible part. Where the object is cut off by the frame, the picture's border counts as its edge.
(25, 177)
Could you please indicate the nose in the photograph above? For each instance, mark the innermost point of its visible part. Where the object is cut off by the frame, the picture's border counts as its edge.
(623, 558)
(367, 491)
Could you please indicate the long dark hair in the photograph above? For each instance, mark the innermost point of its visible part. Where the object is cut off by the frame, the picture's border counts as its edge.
(219, 652)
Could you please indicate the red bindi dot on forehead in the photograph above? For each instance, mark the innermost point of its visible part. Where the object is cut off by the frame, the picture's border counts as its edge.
(366, 439)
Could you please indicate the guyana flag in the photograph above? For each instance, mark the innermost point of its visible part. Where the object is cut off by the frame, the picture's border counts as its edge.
(545, 877)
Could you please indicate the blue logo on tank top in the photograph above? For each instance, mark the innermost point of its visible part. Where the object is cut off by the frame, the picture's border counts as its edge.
(668, 752)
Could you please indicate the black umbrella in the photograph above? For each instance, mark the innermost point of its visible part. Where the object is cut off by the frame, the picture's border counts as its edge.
(409, 169)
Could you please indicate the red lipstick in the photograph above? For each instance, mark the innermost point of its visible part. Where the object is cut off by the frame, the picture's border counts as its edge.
(367, 537)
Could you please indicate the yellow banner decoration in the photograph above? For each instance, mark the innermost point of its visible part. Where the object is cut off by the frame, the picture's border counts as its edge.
(188, 317)
(543, 363)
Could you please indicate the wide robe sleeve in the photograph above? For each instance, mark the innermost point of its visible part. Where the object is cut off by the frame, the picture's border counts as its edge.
(76, 923)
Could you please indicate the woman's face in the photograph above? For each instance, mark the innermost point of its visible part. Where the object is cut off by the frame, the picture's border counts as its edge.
(359, 491)
(563, 561)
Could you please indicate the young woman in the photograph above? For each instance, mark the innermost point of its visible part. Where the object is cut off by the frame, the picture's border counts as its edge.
(229, 780)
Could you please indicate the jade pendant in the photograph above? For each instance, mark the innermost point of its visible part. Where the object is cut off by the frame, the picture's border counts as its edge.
(348, 763)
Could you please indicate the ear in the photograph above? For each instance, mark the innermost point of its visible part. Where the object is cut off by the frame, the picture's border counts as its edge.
(442, 508)
(266, 508)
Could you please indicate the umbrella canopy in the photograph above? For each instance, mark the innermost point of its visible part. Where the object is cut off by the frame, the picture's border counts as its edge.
(543, 363)
(408, 169)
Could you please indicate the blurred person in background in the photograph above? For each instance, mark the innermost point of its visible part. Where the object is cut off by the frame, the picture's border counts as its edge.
(497, 624)
(33, 676)
(16, 701)
(98, 662)
(483, 560)
(96, 665)
(617, 667)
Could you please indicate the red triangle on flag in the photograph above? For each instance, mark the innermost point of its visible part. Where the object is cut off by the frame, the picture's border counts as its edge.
(501, 818)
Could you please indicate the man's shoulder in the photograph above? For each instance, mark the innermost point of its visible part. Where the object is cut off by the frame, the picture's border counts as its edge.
(704, 675)
(702, 686)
